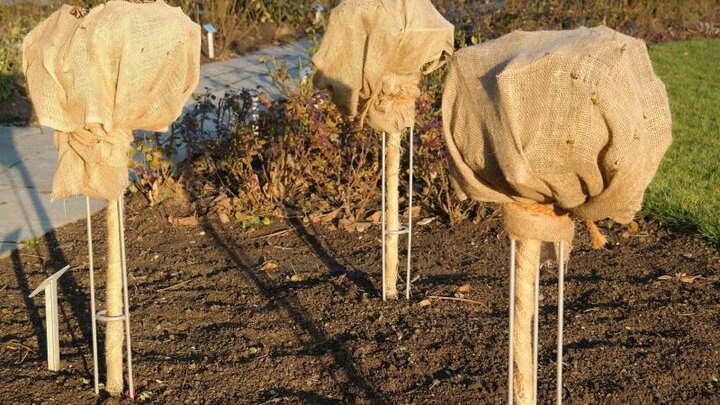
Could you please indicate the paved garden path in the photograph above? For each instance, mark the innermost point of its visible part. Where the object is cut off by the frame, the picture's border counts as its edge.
(28, 156)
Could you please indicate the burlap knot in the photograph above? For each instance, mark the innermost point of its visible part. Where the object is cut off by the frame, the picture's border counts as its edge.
(393, 106)
(91, 162)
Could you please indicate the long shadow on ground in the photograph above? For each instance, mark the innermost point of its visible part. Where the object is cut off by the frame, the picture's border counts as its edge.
(294, 309)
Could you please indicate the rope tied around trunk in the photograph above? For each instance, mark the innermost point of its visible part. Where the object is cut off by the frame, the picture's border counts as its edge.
(394, 102)
(547, 223)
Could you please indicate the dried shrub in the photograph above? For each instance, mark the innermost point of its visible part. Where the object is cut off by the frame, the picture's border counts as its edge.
(652, 20)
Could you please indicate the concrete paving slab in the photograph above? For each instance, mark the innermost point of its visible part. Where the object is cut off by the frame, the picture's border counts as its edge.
(27, 158)
(27, 215)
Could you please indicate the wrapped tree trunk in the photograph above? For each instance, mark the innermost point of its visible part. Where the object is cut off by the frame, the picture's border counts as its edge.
(392, 213)
(114, 305)
(528, 259)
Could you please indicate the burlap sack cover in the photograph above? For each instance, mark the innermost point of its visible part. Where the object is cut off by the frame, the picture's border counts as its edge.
(573, 119)
(94, 79)
(374, 54)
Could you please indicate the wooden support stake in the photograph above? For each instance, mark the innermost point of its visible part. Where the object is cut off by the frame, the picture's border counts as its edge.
(528, 258)
(392, 214)
(114, 330)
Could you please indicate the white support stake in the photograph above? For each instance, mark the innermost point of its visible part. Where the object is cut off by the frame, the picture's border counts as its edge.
(51, 317)
(93, 314)
(511, 337)
(561, 315)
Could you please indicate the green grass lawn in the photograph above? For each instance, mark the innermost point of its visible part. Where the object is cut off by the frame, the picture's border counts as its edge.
(686, 192)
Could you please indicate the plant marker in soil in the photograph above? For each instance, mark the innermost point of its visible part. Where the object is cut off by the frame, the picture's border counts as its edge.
(49, 285)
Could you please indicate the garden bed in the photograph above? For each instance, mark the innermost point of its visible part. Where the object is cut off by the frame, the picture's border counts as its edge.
(221, 315)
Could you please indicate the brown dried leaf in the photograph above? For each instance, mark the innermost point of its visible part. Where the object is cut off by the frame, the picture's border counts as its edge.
(684, 278)
(426, 221)
(374, 217)
(269, 265)
(223, 202)
(186, 221)
(415, 212)
(330, 216)
(362, 226)
(346, 224)
(464, 289)
(633, 228)
(78, 12)
(425, 302)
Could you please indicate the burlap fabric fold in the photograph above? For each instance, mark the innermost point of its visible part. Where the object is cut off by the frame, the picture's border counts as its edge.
(574, 119)
(95, 78)
(374, 54)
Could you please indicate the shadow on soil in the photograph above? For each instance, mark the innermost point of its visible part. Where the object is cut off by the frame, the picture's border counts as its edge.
(300, 317)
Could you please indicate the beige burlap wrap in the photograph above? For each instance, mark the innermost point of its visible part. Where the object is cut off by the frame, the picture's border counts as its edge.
(572, 119)
(94, 79)
(374, 54)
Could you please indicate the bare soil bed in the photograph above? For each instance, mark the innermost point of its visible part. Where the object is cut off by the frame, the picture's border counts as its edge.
(221, 315)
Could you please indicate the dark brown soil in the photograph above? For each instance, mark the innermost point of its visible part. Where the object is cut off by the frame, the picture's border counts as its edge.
(210, 325)
(17, 110)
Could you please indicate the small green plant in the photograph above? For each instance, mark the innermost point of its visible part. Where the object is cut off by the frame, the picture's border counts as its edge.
(145, 396)
(31, 243)
(152, 170)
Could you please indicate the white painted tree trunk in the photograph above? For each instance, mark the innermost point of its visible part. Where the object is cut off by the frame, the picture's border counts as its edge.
(392, 214)
(528, 259)
(114, 288)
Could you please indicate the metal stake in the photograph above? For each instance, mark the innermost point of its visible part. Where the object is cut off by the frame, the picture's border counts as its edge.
(561, 293)
(511, 357)
(535, 333)
(92, 297)
(410, 215)
(384, 225)
(121, 223)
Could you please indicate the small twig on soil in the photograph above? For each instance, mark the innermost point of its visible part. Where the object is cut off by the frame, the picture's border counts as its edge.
(182, 386)
(274, 400)
(270, 235)
(402, 280)
(3, 287)
(437, 297)
(29, 255)
(27, 349)
(16, 342)
(282, 248)
(174, 285)
(23, 357)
